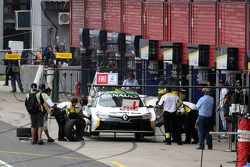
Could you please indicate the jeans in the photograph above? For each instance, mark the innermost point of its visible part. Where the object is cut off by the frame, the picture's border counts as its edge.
(223, 111)
(204, 126)
(16, 77)
(7, 76)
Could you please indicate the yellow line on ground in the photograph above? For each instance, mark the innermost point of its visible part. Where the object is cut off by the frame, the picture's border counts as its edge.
(44, 155)
(118, 164)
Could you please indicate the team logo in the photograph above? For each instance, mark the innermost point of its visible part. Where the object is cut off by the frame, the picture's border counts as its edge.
(125, 117)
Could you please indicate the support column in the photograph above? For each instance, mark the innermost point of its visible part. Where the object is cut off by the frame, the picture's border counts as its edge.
(1, 25)
(84, 72)
(55, 85)
(247, 54)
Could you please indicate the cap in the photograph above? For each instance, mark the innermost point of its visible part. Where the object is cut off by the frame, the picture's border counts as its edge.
(42, 86)
(33, 86)
(206, 90)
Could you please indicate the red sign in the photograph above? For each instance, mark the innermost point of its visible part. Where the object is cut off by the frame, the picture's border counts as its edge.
(130, 104)
(102, 78)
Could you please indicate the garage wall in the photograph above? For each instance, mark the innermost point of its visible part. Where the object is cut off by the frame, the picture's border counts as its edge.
(232, 25)
(93, 14)
(153, 24)
(112, 15)
(153, 20)
(132, 10)
(203, 26)
(76, 21)
(174, 20)
(178, 25)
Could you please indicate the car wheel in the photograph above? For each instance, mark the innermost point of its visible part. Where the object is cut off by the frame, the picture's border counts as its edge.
(74, 130)
(139, 136)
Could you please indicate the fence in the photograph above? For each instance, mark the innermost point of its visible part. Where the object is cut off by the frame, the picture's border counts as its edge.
(67, 77)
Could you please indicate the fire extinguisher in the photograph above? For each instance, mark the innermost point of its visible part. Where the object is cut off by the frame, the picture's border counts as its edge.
(77, 88)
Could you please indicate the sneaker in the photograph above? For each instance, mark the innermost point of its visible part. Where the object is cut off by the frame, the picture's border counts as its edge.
(199, 148)
(33, 142)
(5, 84)
(40, 142)
(210, 148)
(167, 143)
(13, 91)
(50, 140)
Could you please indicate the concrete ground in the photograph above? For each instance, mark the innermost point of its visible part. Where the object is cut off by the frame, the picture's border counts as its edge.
(124, 151)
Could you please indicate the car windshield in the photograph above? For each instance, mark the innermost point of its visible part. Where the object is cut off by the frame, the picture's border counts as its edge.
(116, 100)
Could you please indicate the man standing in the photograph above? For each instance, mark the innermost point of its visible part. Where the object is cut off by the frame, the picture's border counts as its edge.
(46, 92)
(223, 105)
(171, 102)
(14, 73)
(33, 103)
(204, 122)
(6, 62)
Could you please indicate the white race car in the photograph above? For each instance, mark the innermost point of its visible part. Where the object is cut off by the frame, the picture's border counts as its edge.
(121, 112)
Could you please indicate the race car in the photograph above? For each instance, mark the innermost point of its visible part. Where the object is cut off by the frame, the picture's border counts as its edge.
(121, 112)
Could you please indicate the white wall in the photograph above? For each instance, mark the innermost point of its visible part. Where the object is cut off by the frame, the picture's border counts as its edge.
(49, 37)
(1, 24)
(36, 24)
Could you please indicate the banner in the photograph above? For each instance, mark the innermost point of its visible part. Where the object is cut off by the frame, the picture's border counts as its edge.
(106, 79)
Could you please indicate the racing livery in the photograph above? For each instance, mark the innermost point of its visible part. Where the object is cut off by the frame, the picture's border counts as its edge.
(122, 112)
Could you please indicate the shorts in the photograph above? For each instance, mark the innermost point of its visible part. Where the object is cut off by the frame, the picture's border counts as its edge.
(45, 122)
(36, 120)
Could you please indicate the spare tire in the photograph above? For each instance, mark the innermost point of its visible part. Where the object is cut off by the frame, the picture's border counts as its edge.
(74, 130)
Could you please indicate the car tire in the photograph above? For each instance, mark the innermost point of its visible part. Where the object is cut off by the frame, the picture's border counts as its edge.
(74, 130)
(139, 136)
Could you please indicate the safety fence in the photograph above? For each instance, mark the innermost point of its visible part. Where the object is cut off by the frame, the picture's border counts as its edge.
(68, 76)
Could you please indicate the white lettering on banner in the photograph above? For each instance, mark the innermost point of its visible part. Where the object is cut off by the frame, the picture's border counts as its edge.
(102, 79)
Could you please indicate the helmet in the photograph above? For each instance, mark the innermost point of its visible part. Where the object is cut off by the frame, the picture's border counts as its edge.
(161, 91)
